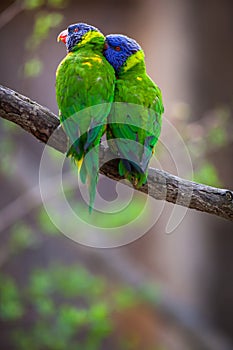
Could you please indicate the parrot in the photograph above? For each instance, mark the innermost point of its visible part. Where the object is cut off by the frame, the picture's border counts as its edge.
(134, 123)
(85, 84)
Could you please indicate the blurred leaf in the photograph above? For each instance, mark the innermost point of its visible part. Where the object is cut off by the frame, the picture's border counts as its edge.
(33, 68)
(32, 4)
(72, 317)
(125, 298)
(21, 237)
(58, 320)
(218, 137)
(7, 168)
(130, 343)
(76, 281)
(150, 292)
(44, 22)
(45, 223)
(6, 156)
(41, 284)
(207, 174)
(11, 310)
(54, 154)
(45, 306)
(9, 127)
(7, 146)
(112, 220)
(23, 341)
(11, 307)
(98, 312)
(100, 324)
(46, 336)
(97, 334)
(58, 3)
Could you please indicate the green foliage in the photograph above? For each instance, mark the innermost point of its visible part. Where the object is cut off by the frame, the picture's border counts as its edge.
(45, 223)
(203, 138)
(33, 68)
(7, 126)
(217, 136)
(72, 284)
(6, 151)
(37, 4)
(54, 155)
(112, 220)
(68, 306)
(33, 4)
(44, 22)
(150, 292)
(59, 4)
(7, 146)
(22, 236)
(207, 174)
(125, 298)
(11, 307)
(46, 18)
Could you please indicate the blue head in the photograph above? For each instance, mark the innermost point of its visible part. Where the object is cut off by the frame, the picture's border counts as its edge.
(118, 48)
(74, 34)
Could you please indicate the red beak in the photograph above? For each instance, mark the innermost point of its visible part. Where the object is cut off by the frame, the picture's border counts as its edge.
(62, 36)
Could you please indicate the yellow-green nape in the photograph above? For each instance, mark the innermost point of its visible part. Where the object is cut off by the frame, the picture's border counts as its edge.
(133, 60)
(90, 36)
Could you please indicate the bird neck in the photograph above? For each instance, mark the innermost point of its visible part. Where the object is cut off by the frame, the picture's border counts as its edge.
(135, 62)
(93, 40)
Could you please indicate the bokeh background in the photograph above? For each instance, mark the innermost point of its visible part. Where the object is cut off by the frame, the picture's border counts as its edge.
(162, 291)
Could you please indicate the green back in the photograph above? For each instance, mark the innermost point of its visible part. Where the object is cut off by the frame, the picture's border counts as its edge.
(85, 79)
(138, 119)
(85, 90)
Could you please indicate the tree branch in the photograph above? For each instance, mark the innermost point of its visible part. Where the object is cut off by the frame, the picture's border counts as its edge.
(44, 125)
(10, 12)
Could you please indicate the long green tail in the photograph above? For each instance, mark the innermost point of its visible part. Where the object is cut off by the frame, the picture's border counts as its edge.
(89, 173)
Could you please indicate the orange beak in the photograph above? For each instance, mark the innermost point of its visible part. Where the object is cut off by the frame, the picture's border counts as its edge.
(62, 36)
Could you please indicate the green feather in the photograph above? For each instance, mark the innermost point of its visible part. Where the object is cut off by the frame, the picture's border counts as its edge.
(84, 91)
(136, 118)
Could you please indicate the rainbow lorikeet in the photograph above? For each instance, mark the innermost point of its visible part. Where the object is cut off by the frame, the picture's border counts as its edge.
(84, 91)
(134, 123)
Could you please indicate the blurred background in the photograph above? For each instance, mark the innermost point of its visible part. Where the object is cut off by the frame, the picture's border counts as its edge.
(161, 291)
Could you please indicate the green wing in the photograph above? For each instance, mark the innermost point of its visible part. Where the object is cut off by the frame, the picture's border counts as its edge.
(134, 126)
(85, 90)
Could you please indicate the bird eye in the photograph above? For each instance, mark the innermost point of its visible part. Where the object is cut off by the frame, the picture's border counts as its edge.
(76, 30)
(117, 48)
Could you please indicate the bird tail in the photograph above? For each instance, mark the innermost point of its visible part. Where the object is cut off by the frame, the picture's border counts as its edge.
(89, 173)
(79, 164)
(132, 172)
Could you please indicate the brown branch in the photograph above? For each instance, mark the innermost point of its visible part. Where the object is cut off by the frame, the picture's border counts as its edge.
(10, 12)
(44, 125)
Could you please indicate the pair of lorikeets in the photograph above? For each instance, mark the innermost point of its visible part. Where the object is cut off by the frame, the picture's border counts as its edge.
(102, 86)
